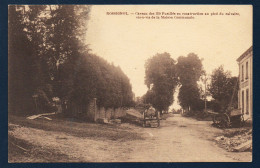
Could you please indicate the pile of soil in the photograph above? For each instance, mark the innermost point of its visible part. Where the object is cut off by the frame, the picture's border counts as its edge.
(234, 138)
(133, 116)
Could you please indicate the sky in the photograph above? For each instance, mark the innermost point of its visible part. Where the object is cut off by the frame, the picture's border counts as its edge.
(128, 42)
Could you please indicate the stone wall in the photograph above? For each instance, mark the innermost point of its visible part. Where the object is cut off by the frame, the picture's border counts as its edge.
(94, 112)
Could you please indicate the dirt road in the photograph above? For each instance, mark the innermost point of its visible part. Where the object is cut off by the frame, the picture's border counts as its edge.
(179, 139)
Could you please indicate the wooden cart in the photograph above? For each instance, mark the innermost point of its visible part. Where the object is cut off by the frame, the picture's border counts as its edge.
(232, 118)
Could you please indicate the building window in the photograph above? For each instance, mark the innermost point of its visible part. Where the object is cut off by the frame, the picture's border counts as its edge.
(247, 101)
(246, 70)
(242, 76)
(242, 102)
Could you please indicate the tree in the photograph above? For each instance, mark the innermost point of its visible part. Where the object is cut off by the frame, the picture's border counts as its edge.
(28, 71)
(189, 70)
(65, 45)
(223, 88)
(20, 71)
(189, 97)
(161, 80)
(96, 78)
(45, 43)
(48, 57)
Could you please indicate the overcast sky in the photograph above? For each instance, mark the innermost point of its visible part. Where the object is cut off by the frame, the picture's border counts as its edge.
(129, 42)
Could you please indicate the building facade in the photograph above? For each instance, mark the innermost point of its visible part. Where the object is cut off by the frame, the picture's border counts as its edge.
(245, 94)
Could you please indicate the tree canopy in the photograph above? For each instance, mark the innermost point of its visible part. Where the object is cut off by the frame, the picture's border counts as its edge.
(223, 86)
(20, 64)
(96, 78)
(48, 58)
(161, 80)
(189, 70)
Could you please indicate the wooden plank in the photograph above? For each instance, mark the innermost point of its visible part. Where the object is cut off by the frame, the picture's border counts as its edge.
(211, 112)
(39, 115)
(235, 112)
(243, 146)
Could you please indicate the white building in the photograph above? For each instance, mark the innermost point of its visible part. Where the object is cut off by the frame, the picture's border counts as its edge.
(245, 94)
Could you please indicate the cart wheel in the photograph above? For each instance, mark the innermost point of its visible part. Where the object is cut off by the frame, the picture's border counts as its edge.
(216, 119)
(242, 121)
(225, 121)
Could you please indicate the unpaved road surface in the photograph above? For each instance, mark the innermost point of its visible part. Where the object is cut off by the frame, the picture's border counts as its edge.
(178, 139)
(181, 139)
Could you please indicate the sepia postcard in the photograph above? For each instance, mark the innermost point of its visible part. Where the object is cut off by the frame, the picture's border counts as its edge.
(130, 83)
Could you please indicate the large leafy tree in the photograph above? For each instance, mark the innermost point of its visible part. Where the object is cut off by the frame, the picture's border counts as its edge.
(189, 96)
(224, 88)
(44, 46)
(20, 69)
(161, 79)
(189, 71)
(65, 44)
(28, 71)
(96, 78)
(48, 57)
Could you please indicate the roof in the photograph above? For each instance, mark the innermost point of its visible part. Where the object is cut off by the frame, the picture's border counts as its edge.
(245, 54)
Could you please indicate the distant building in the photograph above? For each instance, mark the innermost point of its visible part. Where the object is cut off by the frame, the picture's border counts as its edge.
(245, 94)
